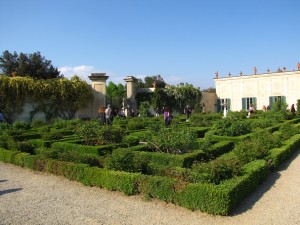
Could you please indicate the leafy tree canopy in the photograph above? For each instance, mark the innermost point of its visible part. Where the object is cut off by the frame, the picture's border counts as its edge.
(151, 81)
(182, 95)
(33, 65)
(115, 94)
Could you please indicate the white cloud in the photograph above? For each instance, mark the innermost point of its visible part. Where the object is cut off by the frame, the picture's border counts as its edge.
(82, 71)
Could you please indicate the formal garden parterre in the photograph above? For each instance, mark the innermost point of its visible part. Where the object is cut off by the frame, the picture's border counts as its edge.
(209, 164)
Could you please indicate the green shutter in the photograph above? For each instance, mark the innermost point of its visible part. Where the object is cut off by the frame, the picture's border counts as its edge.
(228, 104)
(254, 102)
(244, 103)
(283, 99)
(271, 101)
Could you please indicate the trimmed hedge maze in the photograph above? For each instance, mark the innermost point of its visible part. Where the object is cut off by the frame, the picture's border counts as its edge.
(214, 176)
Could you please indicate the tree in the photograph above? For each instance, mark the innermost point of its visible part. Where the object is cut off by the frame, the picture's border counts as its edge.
(183, 95)
(54, 97)
(154, 81)
(70, 96)
(115, 94)
(33, 65)
(13, 96)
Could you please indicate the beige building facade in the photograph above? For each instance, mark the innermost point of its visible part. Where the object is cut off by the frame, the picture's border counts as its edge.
(237, 93)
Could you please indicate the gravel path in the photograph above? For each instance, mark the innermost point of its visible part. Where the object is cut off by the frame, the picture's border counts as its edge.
(28, 197)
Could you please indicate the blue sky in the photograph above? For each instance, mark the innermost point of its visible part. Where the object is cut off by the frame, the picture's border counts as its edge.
(182, 40)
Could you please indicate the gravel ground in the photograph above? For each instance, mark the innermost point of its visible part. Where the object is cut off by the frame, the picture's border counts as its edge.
(28, 197)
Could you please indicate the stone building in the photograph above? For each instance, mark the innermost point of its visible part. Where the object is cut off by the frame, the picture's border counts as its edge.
(262, 90)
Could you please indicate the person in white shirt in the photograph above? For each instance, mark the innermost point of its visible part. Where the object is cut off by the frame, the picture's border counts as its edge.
(108, 115)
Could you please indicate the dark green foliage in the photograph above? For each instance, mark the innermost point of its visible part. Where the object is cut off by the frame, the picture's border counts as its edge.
(26, 146)
(257, 147)
(204, 120)
(21, 125)
(237, 115)
(120, 121)
(157, 187)
(125, 160)
(287, 130)
(216, 170)
(52, 135)
(92, 133)
(4, 127)
(231, 127)
(7, 141)
(136, 123)
(177, 139)
(277, 156)
(261, 123)
(36, 123)
(214, 177)
(143, 97)
(33, 65)
(216, 199)
(144, 109)
(115, 94)
(69, 155)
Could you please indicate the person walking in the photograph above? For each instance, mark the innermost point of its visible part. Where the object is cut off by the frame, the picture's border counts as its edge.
(293, 110)
(188, 112)
(167, 116)
(108, 115)
(101, 115)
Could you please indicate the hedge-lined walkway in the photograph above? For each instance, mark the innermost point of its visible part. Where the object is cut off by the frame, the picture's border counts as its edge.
(28, 197)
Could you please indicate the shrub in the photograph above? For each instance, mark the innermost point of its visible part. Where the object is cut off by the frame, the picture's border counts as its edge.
(136, 123)
(26, 146)
(4, 127)
(231, 127)
(7, 141)
(38, 123)
(58, 123)
(287, 130)
(125, 160)
(92, 133)
(62, 154)
(257, 147)
(216, 170)
(178, 139)
(204, 120)
(50, 136)
(21, 125)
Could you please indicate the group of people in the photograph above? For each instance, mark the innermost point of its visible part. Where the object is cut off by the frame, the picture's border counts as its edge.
(105, 116)
(168, 116)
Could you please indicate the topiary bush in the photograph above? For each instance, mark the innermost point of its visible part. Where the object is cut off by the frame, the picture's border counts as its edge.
(92, 133)
(217, 170)
(231, 127)
(21, 125)
(136, 123)
(177, 139)
(257, 146)
(125, 160)
(7, 141)
(38, 123)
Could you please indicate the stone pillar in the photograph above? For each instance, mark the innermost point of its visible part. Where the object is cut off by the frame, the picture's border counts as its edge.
(99, 92)
(131, 92)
